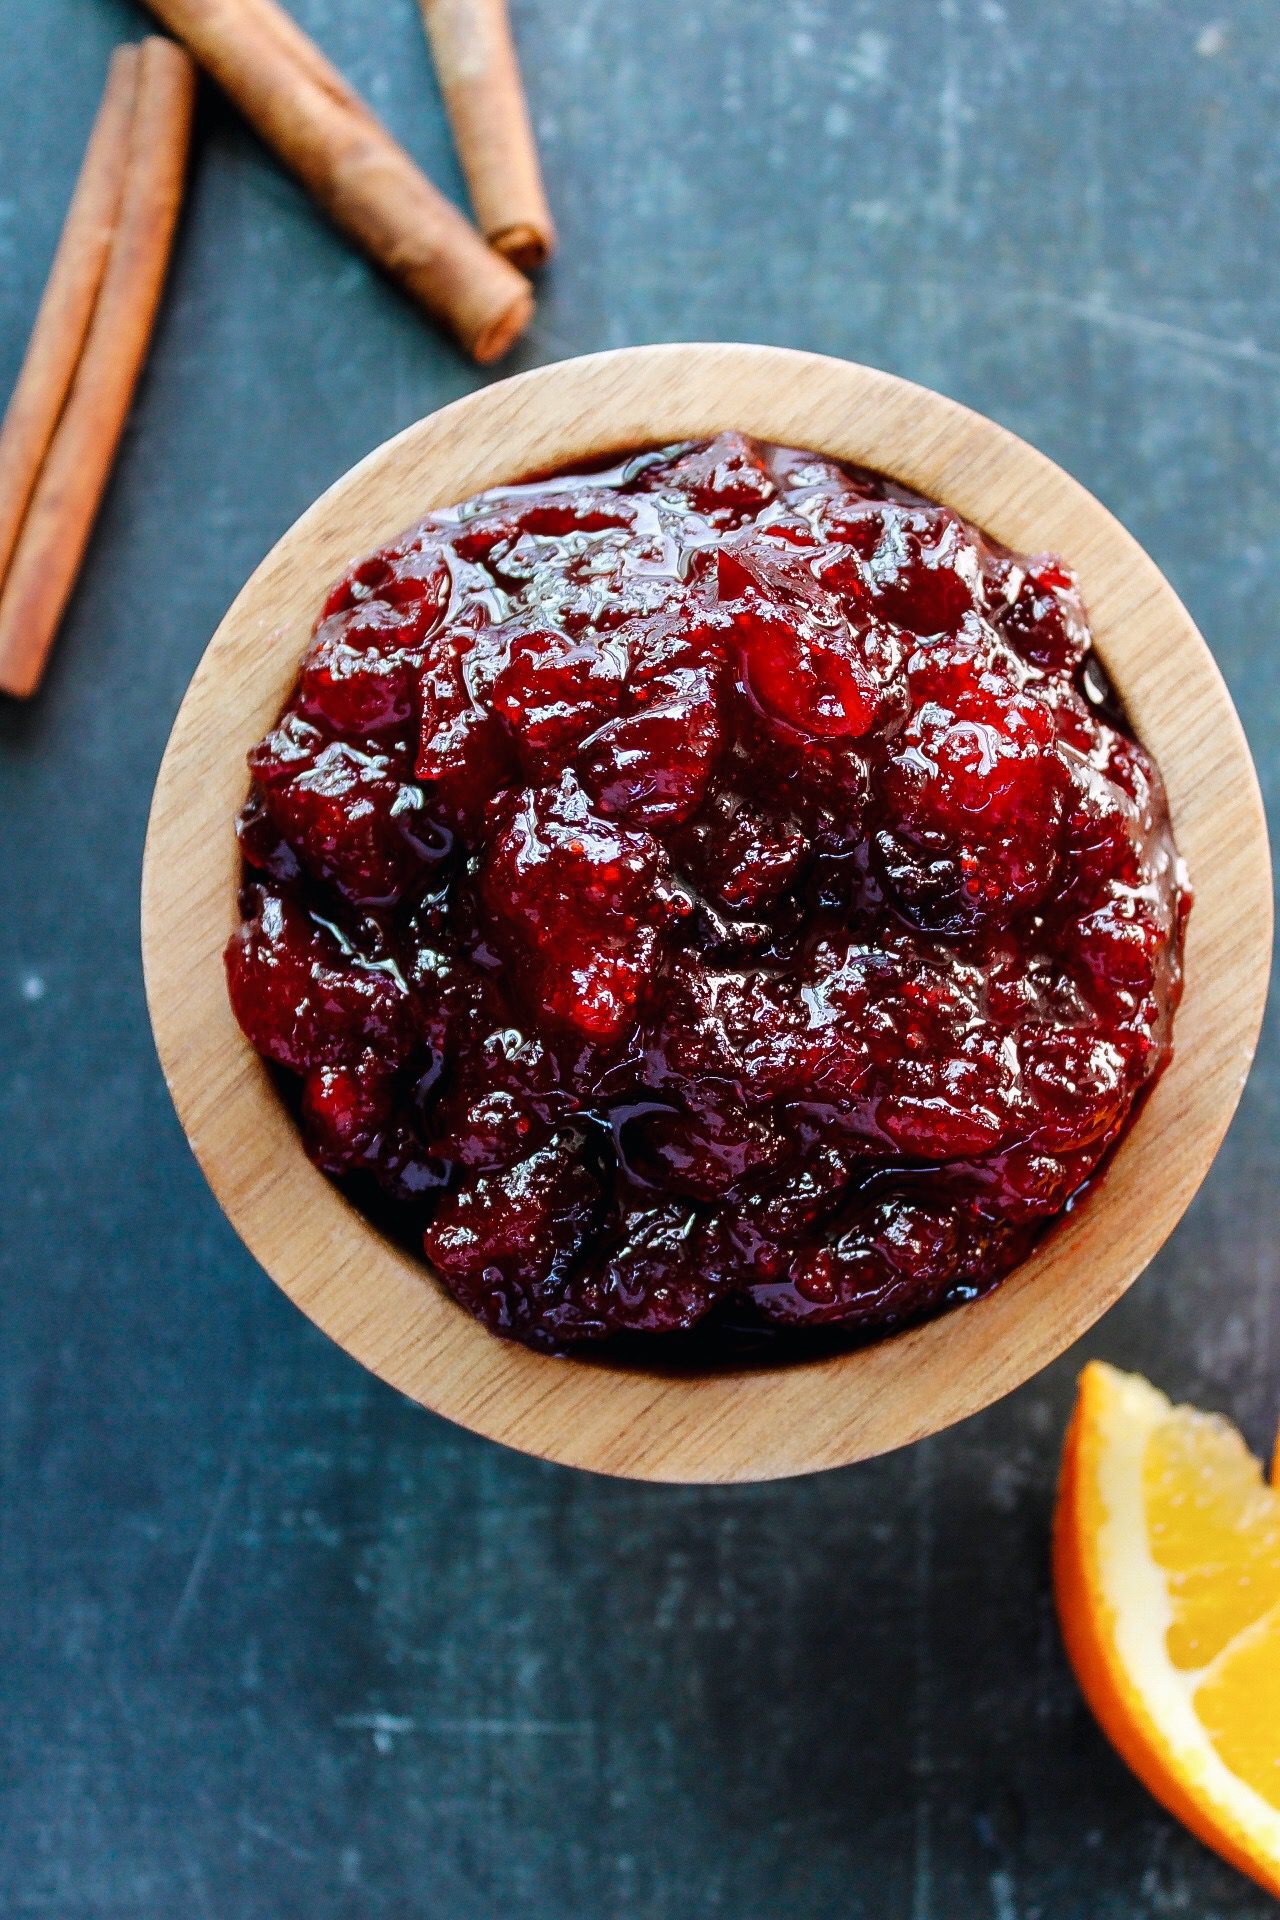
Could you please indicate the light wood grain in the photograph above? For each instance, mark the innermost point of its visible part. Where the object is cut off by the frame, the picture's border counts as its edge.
(384, 1308)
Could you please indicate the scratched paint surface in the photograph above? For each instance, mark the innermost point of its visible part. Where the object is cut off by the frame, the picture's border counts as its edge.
(276, 1643)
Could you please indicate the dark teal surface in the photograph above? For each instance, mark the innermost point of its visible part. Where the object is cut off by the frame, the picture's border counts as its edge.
(275, 1642)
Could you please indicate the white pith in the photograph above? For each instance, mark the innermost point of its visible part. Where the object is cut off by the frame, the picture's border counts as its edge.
(1139, 1616)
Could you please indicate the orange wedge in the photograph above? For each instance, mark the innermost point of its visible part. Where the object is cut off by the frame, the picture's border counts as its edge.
(1167, 1574)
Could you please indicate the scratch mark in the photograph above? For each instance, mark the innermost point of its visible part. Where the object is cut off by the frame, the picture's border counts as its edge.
(204, 1552)
(922, 1865)
(273, 1839)
(128, 1718)
(544, 337)
(376, 1722)
(1003, 1904)
(949, 112)
(539, 1729)
(922, 1682)
(195, 1879)
(396, 1723)
(1140, 327)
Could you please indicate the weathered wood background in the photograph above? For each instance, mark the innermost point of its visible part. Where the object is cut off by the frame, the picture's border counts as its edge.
(276, 1643)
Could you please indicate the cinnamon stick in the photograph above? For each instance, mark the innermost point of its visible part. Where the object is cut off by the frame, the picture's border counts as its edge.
(303, 108)
(71, 481)
(484, 97)
(66, 308)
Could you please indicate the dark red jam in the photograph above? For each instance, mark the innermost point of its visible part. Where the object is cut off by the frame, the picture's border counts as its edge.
(721, 889)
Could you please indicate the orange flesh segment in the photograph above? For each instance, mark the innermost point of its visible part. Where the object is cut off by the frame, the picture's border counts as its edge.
(1239, 1703)
(1214, 1529)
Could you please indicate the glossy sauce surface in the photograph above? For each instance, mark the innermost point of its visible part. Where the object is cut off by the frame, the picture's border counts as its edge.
(719, 891)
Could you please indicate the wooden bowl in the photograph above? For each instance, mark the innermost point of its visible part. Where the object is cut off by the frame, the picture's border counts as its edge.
(380, 1304)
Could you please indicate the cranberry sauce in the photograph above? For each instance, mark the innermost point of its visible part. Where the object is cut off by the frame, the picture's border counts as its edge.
(719, 888)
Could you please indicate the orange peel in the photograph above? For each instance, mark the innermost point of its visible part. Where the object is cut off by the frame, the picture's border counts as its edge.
(1167, 1577)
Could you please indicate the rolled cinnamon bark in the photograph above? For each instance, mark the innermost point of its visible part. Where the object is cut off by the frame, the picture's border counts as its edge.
(484, 96)
(73, 477)
(66, 308)
(304, 109)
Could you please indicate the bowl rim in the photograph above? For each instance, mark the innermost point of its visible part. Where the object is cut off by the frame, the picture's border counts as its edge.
(384, 1307)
